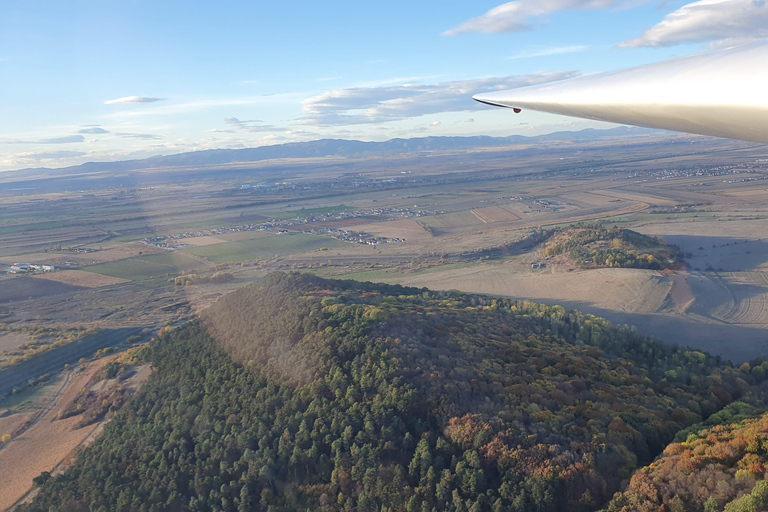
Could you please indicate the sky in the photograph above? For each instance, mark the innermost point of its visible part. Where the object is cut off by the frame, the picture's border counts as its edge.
(88, 80)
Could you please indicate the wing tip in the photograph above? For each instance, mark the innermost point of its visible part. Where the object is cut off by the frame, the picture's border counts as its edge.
(486, 101)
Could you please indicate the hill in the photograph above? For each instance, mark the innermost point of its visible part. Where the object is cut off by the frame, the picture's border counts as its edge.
(721, 468)
(589, 245)
(299, 393)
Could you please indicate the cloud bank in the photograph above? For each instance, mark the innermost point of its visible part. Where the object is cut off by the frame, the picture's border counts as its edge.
(517, 16)
(381, 104)
(728, 21)
(139, 100)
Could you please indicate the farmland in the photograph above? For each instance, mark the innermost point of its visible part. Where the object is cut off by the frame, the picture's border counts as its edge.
(265, 248)
(703, 195)
(146, 266)
(469, 221)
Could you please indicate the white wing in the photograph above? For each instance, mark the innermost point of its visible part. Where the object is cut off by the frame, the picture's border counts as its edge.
(721, 93)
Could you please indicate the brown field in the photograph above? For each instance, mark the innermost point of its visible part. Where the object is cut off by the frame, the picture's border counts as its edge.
(25, 242)
(632, 291)
(589, 198)
(10, 341)
(491, 214)
(42, 446)
(461, 220)
(746, 302)
(758, 196)
(120, 252)
(722, 245)
(681, 294)
(201, 241)
(48, 441)
(81, 278)
(407, 229)
(9, 424)
(640, 198)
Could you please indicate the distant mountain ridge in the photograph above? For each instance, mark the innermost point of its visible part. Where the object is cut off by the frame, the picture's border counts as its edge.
(334, 148)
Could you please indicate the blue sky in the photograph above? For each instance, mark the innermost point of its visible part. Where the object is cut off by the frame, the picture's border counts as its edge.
(92, 80)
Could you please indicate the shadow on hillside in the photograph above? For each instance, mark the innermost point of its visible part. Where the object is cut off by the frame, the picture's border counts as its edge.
(735, 343)
(723, 254)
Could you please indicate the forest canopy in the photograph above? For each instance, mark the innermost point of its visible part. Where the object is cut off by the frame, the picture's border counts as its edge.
(594, 245)
(300, 393)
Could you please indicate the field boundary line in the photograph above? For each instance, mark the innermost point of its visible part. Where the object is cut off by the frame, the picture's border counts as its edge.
(45, 410)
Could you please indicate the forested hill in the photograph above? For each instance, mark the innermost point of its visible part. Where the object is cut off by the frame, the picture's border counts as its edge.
(720, 468)
(594, 245)
(298, 393)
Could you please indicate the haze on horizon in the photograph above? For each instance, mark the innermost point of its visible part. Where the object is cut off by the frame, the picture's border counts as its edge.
(88, 81)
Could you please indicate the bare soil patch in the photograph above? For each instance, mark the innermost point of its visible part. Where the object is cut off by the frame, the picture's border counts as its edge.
(491, 214)
(641, 198)
(81, 278)
(9, 424)
(588, 198)
(407, 229)
(120, 252)
(45, 444)
(629, 290)
(10, 341)
(681, 294)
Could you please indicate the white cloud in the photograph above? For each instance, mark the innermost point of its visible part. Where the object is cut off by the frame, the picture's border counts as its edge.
(141, 100)
(729, 21)
(251, 125)
(362, 105)
(527, 54)
(197, 105)
(140, 136)
(93, 130)
(517, 16)
(67, 139)
(63, 140)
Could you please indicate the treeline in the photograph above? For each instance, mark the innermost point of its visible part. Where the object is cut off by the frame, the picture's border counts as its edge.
(217, 278)
(594, 244)
(299, 393)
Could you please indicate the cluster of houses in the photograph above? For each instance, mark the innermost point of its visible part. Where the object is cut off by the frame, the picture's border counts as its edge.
(279, 225)
(29, 268)
(356, 238)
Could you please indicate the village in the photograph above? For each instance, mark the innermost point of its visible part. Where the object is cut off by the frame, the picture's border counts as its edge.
(278, 226)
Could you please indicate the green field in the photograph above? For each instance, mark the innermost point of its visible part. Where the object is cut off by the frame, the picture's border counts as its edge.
(147, 266)
(265, 248)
